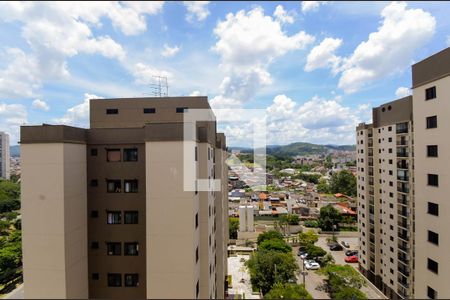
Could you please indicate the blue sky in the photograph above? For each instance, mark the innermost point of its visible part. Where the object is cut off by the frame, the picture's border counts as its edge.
(316, 68)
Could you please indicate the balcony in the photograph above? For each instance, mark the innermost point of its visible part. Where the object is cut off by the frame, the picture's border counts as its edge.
(402, 164)
(370, 152)
(404, 271)
(403, 234)
(402, 141)
(403, 223)
(402, 152)
(402, 128)
(402, 199)
(403, 246)
(404, 258)
(371, 171)
(371, 192)
(403, 187)
(403, 178)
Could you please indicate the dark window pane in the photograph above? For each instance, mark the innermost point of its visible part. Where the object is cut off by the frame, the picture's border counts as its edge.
(94, 245)
(433, 237)
(131, 186)
(113, 217)
(94, 152)
(149, 110)
(181, 109)
(112, 111)
(131, 249)
(94, 182)
(131, 280)
(432, 151)
(94, 214)
(114, 248)
(432, 265)
(433, 180)
(130, 154)
(112, 155)
(131, 217)
(432, 122)
(95, 276)
(431, 293)
(114, 280)
(430, 93)
(433, 209)
(114, 186)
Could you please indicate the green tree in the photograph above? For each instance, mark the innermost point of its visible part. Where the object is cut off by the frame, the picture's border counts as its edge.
(323, 186)
(307, 238)
(269, 235)
(311, 223)
(343, 276)
(343, 182)
(288, 291)
(349, 293)
(315, 251)
(275, 245)
(269, 267)
(233, 228)
(329, 217)
(9, 196)
(10, 255)
(327, 260)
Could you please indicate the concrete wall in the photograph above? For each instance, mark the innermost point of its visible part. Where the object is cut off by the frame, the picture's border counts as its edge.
(54, 207)
(4, 156)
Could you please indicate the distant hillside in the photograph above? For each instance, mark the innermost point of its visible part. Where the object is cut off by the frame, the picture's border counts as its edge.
(299, 148)
(14, 151)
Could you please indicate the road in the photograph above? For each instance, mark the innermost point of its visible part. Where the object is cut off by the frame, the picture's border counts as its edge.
(313, 281)
(16, 294)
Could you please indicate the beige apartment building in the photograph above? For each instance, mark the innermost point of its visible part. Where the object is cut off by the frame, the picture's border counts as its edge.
(4, 156)
(403, 186)
(105, 210)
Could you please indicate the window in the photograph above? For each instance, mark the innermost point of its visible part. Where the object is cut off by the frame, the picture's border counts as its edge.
(113, 248)
(430, 93)
(197, 289)
(390, 128)
(196, 155)
(114, 186)
(390, 161)
(181, 110)
(131, 217)
(114, 280)
(433, 180)
(131, 186)
(433, 237)
(432, 122)
(432, 151)
(431, 293)
(130, 154)
(94, 182)
(149, 110)
(390, 140)
(131, 280)
(390, 150)
(432, 265)
(112, 155)
(94, 245)
(112, 111)
(113, 217)
(433, 209)
(95, 276)
(94, 152)
(196, 255)
(196, 220)
(94, 213)
(131, 249)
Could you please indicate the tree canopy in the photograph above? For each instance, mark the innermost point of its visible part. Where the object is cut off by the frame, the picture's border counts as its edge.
(329, 216)
(275, 245)
(233, 228)
(344, 281)
(288, 291)
(307, 238)
(269, 235)
(343, 182)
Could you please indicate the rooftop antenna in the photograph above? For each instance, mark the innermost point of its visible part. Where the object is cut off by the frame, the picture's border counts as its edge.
(160, 87)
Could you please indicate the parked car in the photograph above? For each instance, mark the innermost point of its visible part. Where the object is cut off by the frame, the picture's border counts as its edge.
(345, 244)
(304, 255)
(311, 265)
(351, 259)
(336, 247)
(351, 252)
(300, 253)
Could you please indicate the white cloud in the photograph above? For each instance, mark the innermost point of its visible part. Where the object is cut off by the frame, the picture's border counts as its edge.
(283, 16)
(77, 115)
(402, 92)
(40, 105)
(308, 6)
(196, 10)
(144, 74)
(322, 56)
(248, 42)
(169, 51)
(20, 77)
(195, 93)
(390, 49)
(12, 116)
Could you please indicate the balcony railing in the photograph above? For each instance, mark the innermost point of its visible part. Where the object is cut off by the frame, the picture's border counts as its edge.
(404, 271)
(403, 189)
(403, 223)
(402, 128)
(403, 258)
(402, 164)
(402, 199)
(402, 152)
(403, 178)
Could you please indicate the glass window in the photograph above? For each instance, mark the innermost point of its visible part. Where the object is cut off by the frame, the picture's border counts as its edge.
(131, 217)
(112, 111)
(430, 93)
(94, 245)
(94, 152)
(95, 276)
(94, 182)
(431, 293)
(432, 265)
(131, 249)
(112, 155)
(131, 186)
(113, 248)
(130, 154)
(149, 110)
(433, 209)
(433, 179)
(114, 280)
(181, 110)
(114, 186)
(433, 237)
(131, 280)
(113, 217)
(432, 151)
(94, 213)
(432, 122)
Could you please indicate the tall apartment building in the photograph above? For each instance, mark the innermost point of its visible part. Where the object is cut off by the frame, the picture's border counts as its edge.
(403, 183)
(105, 213)
(4, 156)
(385, 197)
(431, 110)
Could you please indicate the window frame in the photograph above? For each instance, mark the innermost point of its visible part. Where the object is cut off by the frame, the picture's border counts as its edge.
(114, 276)
(108, 150)
(133, 186)
(126, 150)
(117, 189)
(134, 216)
(113, 248)
(431, 122)
(149, 110)
(125, 248)
(112, 111)
(430, 93)
(113, 212)
(134, 279)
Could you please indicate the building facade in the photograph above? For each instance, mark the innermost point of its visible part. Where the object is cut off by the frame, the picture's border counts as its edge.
(403, 175)
(385, 198)
(4, 156)
(105, 209)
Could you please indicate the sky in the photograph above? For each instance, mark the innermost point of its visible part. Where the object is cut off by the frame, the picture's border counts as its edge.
(315, 68)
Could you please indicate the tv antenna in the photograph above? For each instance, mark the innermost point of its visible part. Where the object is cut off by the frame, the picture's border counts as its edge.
(160, 87)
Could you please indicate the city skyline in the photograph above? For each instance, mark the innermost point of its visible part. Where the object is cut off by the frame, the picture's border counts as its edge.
(293, 59)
